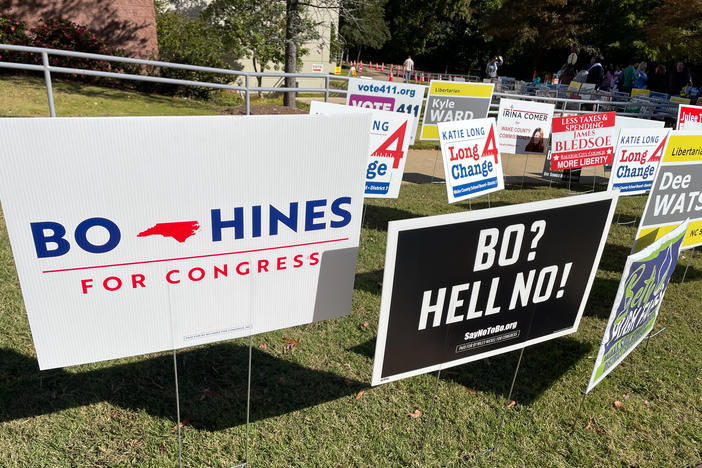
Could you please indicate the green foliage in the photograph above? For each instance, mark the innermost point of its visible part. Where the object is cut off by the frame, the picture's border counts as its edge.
(13, 32)
(362, 24)
(67, 35)
(676, 31)
(192, 41)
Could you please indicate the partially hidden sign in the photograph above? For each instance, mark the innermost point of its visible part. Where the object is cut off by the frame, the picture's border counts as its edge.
(636, 158)
(638, 300)
(461, 287)
(524, 126)
(449, 100)
(676, 194)
(689, 117)
(143, 234)
(582, 140)
(472, 159)
(402, 98)
(387, 153)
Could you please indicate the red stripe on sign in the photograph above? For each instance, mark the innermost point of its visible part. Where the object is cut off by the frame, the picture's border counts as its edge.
(195, 256)
(578, 159)
(584, 122)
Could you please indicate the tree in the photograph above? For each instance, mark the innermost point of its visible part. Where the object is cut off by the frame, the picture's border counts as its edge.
(363, 25)
(676, 31)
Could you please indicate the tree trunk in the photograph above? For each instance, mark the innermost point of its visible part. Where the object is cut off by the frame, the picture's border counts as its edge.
(292, 27)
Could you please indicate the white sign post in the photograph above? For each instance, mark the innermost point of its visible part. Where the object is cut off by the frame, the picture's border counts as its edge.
(139, 235)
(387, 150)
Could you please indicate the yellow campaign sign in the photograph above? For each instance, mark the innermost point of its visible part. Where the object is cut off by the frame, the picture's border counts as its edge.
(574, 86)
(443, 88)
(640, 92)
(648, 236)
(430, 133)
(337, 70)
(683, 148)
(680, 100)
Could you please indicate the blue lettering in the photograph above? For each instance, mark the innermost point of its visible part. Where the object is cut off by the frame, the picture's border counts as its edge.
(344, 214)
(56, 237)
(85, 244)
(311, 215)
(278, 217)
(237, 223)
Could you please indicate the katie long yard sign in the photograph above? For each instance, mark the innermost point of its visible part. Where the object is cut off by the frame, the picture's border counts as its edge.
(465, 286)
(138, 235)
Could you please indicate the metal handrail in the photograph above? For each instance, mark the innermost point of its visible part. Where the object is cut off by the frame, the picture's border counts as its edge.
(653, 109)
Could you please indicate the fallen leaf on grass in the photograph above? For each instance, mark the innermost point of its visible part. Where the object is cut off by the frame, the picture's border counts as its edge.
(699, 379)
(263, 346)
(365, 325)
(626, 396)
(638, 428)
(359, 394)
(291, 341)
(163, 449)
(415, 415)
(619, 405)
(207, 393)
(470, 390)
(647, 403)
(511, 404)
(183, 423)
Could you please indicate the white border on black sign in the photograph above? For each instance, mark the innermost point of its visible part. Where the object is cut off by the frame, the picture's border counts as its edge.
(394, 228)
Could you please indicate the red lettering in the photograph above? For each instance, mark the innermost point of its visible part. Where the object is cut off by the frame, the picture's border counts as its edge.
(86, 284)
(169, 279)
(137, 280)
(281, 263)
(239, 270)
(297, 261)
(106, 283)
(314, 258)
(222, 272)
(198, 269)
(263, 266)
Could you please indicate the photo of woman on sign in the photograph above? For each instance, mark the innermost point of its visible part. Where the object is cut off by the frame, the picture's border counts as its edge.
(536, 144)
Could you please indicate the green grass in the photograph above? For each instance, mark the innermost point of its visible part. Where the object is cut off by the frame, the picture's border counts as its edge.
(304, 409)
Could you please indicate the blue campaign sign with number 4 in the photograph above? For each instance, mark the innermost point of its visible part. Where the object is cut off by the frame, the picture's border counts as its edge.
(472, 160)
(388, 143)
(388, 96)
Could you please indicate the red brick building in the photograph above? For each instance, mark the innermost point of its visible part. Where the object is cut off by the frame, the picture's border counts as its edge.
(123, 24)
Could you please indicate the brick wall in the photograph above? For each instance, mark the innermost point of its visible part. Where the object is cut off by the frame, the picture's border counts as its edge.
(124, 24)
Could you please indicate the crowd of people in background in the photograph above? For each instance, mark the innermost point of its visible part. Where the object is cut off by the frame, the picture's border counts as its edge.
(636, 75)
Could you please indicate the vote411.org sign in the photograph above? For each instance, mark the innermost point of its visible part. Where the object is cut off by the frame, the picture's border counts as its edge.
(465, 286)
(403, 98)
(638, 300)
(138, 235)
(582, 141)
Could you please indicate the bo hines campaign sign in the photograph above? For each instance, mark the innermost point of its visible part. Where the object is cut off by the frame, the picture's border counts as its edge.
(137, 235)
(465, 286)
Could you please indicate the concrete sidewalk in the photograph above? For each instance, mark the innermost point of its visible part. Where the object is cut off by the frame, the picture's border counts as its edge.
(424, 165)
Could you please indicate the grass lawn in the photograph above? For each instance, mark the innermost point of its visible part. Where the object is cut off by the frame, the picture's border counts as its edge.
(312, 405)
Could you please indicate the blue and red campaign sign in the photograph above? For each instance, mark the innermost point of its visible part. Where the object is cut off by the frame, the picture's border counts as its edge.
(138, 235)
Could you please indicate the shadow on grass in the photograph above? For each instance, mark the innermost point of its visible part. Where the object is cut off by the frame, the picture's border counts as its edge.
(377, 217)
(542, 365)
(278, 386)
(418, 178)
(370, 281)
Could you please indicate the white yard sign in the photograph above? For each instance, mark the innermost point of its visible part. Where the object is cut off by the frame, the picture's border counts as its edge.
(387, 150)
(138, 235)
(524, 126)
(636, 158)
(472, 161)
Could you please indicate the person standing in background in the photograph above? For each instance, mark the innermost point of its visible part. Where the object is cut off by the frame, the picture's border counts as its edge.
(617, 78)
(409, 66)
(492, 66)
(677, 79)
(656, 81)
(608, 80)
(641, 76)
(628, 78)
(595, 74)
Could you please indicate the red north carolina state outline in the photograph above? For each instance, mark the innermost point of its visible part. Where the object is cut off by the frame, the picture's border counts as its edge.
(179, 231)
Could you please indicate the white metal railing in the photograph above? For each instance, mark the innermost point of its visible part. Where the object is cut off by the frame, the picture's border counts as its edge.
(647, 108)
